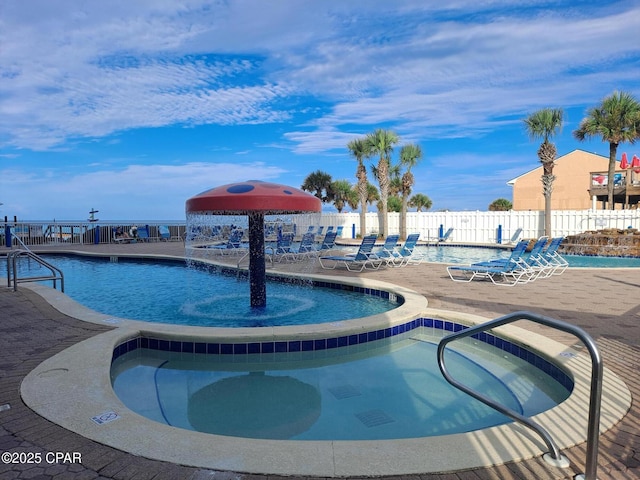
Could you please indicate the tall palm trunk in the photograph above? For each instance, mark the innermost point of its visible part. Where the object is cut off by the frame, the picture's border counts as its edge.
(613, 152)
(383, 180)
(547, 154)
(362, 194)
(407, 183)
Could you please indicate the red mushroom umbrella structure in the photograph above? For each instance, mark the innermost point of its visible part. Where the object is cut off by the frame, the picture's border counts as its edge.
(255, 199)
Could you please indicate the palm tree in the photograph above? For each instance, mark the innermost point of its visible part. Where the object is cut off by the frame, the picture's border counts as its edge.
(545, 124)
(353, 199)
(381, 143)
(500, 205)
(319, 183)
(341, 190)
(410, 155)
(372, 194)
(394, 204)
(358, 149)
(395, 183)
(420, 201)
(616, 120)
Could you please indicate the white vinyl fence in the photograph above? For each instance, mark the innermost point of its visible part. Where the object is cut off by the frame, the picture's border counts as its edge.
(489, 227)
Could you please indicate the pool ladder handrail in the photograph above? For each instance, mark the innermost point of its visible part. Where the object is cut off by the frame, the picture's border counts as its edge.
(12, 270)
(595, 396)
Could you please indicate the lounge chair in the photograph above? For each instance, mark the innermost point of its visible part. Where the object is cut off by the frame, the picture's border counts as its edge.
(516, 255)
(539, 268)
(548, 260)
(364, 258)
(165, 234)
(305, 248)
(232, 246)
(407, 253)
(120, 236)
(143, 234)
(328, 242)
(507, 272)
(388, 250)
(552, 256)
(516, 236)
(339, 229)
(282, 247)
(446, 235)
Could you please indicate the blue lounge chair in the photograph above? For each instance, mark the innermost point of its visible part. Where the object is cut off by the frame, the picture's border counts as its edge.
(143, 234)
(305, 248)
(328, 242)
(364, 258)
(537, 267)
(233, 245)
(407, 253)
(339, 229)
(516, 236)
(446, 235)
(388, 250)
(281, 248)
(165, 234)
(548, 261)
(508, 272)
(516, 255)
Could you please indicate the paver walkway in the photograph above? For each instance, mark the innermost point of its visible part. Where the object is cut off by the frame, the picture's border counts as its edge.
(606, 303)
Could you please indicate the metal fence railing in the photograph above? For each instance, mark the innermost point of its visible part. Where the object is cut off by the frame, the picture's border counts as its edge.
(82, 233)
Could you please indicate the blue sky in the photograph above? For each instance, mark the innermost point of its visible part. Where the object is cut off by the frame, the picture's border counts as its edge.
(133, 107)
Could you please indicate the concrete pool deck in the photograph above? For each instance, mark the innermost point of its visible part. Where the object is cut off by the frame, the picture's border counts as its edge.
(603, 302)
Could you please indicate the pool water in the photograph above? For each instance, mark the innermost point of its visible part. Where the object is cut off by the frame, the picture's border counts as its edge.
(171, 292)
(593, 261)
(387, 389)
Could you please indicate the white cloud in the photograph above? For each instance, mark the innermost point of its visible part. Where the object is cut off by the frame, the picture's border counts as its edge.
(74, 70)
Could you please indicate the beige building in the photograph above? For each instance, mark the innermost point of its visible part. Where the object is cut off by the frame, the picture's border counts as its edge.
(580, 184)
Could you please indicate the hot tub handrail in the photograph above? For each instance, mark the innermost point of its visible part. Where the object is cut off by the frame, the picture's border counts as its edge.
(594, 397)
(12, 270)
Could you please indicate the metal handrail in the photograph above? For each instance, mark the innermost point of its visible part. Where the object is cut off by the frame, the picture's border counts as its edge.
(12, 270)
(594, 397)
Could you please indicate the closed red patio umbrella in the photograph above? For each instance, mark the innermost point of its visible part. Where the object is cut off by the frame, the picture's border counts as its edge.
(624, 163)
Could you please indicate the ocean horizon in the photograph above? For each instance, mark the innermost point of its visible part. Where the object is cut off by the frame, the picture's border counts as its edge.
(100, 221)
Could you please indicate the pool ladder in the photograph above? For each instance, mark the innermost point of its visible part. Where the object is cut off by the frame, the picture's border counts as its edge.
(12, 270)
(554, 456)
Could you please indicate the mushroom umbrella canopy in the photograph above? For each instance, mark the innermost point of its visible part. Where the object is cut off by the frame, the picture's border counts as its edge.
(256, 199)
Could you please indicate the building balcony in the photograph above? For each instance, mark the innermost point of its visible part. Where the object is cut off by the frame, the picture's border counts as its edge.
(626, 187)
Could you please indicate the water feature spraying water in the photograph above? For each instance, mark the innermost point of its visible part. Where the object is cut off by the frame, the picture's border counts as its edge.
(254, 200)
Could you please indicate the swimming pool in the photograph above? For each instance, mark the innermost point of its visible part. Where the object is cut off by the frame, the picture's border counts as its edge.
(73, 389)
(171, 292)
(384, 389)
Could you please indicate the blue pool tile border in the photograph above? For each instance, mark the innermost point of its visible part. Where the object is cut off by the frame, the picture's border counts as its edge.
(285, 346)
